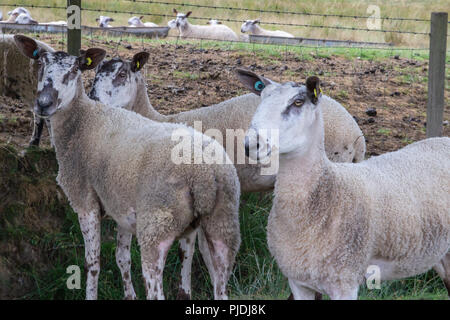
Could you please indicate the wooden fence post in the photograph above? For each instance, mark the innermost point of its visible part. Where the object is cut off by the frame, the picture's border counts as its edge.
(436, 73)
(73, 27)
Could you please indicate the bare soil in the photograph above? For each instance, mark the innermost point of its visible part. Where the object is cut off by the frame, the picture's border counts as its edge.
(187, 77)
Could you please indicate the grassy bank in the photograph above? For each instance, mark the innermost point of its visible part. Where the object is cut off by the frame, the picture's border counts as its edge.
(418, 9)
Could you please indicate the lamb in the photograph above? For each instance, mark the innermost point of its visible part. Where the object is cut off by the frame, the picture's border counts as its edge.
(137, 22)
(252, 26)
(18, 11)
(103, 21)
(215, 32)
(132, 176)
(116, 84)
(330, 221)
(20, 79)
(172, 24)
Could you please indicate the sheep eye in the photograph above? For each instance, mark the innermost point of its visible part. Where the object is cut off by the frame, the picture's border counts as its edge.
(259, 86)
(298, 102)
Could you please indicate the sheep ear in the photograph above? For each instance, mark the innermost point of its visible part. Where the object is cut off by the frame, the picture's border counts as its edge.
(91, 58)
(28, 47)
(141, 17)
(313, 90)
(219, 22)
(252, 81)
(188, 14)
(175, 11)
(97, 19)
(256, 21)
(139, 60)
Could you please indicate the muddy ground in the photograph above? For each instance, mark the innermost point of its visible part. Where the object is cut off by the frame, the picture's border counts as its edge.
(187, 77)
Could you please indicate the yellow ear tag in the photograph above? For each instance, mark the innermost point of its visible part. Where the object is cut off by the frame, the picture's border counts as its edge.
(315, 93)
(89, 61)
(137, 65)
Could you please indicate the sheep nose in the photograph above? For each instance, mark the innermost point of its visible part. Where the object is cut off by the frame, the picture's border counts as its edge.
(44, 101)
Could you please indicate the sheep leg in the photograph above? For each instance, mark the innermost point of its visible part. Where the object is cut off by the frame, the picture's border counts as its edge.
(123, 260)
(443, 269)
(153, 261)
(219, 253)
(38, 125)
(206, 254)
(301, 292)
(344, 294)
(49, 129)
(90, 228)
(187, 247)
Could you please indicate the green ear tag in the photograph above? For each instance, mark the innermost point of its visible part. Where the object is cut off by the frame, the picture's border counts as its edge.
(259, 86)
(89, 61)
(137, 65)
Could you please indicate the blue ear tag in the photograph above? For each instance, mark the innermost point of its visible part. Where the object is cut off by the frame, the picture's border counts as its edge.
(35, 53)
(259, 86)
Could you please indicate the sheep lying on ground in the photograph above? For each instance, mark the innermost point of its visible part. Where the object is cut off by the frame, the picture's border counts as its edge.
(215, 32)
(331, 221)
(252, 26)
(119, 162)
(137, 22)
(20, 76)
(24, 18)
(116, 84)
(103, 21)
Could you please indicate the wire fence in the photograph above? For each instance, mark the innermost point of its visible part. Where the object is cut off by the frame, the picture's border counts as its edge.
(391, 80)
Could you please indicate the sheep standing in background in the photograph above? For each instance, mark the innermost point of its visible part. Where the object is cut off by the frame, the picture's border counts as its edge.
(137, 22)
(252, 27)
(330, 221)
(20, 78)
(134, 176)
(214, 32)
(116, 84)
(103, 21)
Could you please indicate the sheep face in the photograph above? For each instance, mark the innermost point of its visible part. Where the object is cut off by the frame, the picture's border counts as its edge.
(116, 81)
(135, 21)
(284, 120)
(18, 11)
(248, 25)
(181, 20)
(59, 74)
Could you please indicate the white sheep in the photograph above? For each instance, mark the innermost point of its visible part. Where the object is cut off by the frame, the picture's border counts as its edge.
(252, 27)
(20, 76)
(24, 18)
(127, 165)
(137, 22)
(330, 221)
(117, 85)
(18, 11)
(103, 21)
(215, 32)
(172, 24)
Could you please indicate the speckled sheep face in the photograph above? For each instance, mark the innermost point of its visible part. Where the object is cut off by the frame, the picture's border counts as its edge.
(248, 25)
(181, 20)
(58, 74)
(286, 110)
(116, 81)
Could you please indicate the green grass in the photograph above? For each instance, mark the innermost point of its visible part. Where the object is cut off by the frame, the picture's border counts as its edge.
(255, 275)
(410, 9)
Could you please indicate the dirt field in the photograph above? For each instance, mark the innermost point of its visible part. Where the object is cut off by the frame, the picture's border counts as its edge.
(185, 77)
